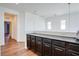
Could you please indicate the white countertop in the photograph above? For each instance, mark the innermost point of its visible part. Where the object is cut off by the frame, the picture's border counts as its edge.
(56, 37)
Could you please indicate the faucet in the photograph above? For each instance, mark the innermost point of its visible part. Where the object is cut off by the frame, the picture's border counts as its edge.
(77, 33)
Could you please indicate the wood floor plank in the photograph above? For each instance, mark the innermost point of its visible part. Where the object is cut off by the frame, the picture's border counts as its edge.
(16, 49)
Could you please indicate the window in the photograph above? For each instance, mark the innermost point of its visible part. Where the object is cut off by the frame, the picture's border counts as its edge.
(49, 25)
(63, 24)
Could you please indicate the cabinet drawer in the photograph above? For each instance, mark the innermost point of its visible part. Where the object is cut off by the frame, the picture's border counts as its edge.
(47, 40)
(38, 42)
(39, 47)
(59, 43)
(72, 53)
(33, 46)
(59, 51)
(38, 39)
(46, 44)
(28, 35)
(32, 40)
(32, 37)
(74, 47)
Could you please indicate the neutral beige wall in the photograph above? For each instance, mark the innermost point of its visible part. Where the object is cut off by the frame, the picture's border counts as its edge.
(14, 28)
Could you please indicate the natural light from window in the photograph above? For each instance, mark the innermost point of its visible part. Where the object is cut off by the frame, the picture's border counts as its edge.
(49, 25)
(63, 24)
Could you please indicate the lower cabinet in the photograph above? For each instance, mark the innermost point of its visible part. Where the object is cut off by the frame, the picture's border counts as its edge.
(33, 43)
(72, 53)
(46, 49)
(58, 47)
(28, 42)
(59, 51)
(39, 45)
(51, 47)
(72, 50)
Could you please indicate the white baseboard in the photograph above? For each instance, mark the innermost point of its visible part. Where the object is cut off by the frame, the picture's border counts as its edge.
(24, 42)
(1, 44)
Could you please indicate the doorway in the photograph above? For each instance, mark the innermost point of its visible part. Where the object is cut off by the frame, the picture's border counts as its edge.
(9, 27)
(7, 31)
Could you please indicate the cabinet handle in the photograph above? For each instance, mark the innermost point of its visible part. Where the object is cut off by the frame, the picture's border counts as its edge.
(73, 54)
(33, 40)
(38, 42)
(58, 49)
(47, 45)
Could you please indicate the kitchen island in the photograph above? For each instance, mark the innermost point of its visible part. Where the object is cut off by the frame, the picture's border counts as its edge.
(52, 45)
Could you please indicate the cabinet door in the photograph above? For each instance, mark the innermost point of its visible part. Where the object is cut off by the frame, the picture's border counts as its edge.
(28, 41)
(52, 50)
(33, 43)
(46, 49)
(58, 51)
(39, 48)
(72, 49)
(72, 53)
(39, 45)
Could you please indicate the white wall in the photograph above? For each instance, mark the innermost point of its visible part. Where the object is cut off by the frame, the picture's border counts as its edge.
(74, 22)
(1, 27)
(72, 25)
(34, 23)
(21, 27)
(56, 23)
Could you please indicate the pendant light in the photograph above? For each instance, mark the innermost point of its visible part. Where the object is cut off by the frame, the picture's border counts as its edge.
(69, 14)
(69, 10)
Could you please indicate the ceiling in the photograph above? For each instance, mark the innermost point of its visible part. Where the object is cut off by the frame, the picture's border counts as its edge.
(43, 9)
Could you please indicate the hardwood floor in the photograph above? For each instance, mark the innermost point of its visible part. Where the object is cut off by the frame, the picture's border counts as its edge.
(14, 48)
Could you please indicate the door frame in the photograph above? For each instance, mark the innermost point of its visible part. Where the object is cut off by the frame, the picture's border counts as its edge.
(11, 18)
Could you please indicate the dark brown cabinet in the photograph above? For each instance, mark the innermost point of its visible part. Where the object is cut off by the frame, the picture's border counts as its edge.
(73, 49)
(33, 43)
(39, 45)
(47, 47)
(52, 47)
(59, 51)
(72, 53)
(59, 43)
(28, 42)
(58, 47)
